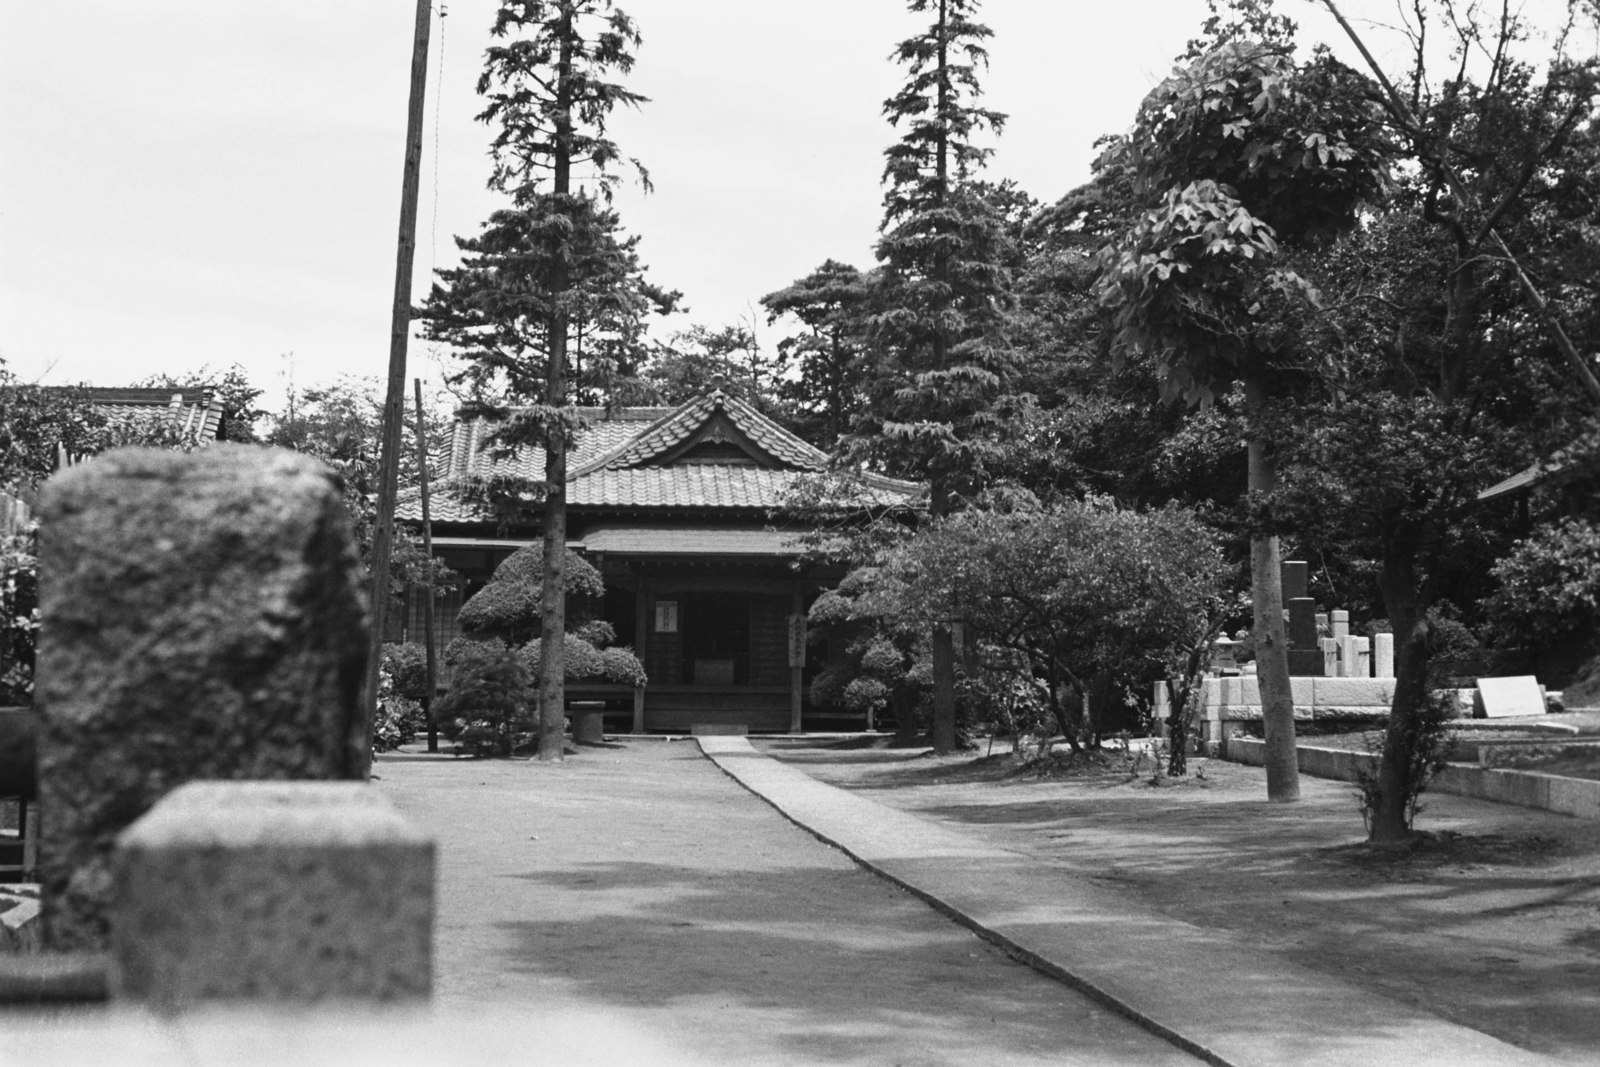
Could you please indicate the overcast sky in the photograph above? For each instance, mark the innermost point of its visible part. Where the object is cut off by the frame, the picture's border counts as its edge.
(188, 182)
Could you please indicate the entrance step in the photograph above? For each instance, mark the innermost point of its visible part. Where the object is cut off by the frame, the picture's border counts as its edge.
(718, 729)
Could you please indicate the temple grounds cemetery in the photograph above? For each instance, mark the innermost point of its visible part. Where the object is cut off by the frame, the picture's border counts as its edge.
(1159, 625)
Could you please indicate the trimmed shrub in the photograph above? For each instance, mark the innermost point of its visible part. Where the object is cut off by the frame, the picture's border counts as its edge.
(407, 666)
(488, 708)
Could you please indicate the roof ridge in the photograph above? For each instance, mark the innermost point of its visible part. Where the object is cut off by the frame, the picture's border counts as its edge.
(808, 453)
(606, 459)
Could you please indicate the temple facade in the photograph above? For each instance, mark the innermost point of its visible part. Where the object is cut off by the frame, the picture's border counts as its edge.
(687, 514)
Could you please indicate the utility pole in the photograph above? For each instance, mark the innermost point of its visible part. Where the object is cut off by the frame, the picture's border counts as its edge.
(427, 592)
(394, 399)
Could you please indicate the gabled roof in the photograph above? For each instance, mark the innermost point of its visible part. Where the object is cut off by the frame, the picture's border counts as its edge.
(682, 424)
(714, 452)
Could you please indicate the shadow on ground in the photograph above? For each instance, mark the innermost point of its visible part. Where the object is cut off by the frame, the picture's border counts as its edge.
(1493, 923)
(644, 882)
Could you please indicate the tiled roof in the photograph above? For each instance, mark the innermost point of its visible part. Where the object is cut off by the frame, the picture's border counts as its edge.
(624, 461)
(198, 411)
(469, 443)
(679, 425)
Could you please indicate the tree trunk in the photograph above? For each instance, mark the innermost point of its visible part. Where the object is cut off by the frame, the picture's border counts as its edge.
(1272, 646)
(944, 689)
(553, 608)
(1408, 615)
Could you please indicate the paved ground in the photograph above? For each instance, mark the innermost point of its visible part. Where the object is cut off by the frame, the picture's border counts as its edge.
(636, 905)
(643, 886)
(1218, 993)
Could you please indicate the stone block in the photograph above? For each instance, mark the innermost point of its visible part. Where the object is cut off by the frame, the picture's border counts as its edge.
(1241, 691)
(1303, 691)
(1339, 621)
(1502, 697)
(1349, 661)
(1383, 655)
(1361, 657)
(1330, 657)
(1340, 764)
(1353, 692)
(718, 729)
(203, 618)
(272, 891)
(1575, 796)
(1160, 709)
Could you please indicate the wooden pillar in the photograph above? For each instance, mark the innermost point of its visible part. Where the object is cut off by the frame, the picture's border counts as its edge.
(641, 626)
(797, 658)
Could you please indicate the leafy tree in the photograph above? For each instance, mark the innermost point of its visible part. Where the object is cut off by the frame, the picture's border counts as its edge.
(1095, 600)
(550, 268)
(832, 303)
(693, 359)
(38, 424)
(239, 398)
(884, 666)
(340, 423)
(937, 396)
(1243, 158)
(1446, 374)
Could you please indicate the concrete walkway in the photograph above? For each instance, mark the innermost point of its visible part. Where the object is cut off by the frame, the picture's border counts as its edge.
(1203, 990)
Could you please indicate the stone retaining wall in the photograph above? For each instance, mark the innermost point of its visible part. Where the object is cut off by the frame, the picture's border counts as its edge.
(1531, 789)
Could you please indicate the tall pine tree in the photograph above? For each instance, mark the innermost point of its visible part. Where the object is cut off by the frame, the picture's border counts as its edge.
(831, 302)
(552, 266)
(938, 385)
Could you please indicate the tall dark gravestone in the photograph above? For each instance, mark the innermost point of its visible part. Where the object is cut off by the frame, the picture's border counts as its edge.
(202, 619)
(1295, 575)
(1305, 657)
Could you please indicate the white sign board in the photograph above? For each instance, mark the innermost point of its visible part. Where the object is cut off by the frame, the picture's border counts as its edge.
(1500, 697)
(666, 616)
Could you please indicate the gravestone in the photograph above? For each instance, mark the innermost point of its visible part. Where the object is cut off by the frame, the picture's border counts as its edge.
(1500, 697)
(1361, 657)
(1305, 657)
(1383, 655)
(1340, 623)
(203, 618)
(1330, 657)
(1294, 576)
(1347, 656)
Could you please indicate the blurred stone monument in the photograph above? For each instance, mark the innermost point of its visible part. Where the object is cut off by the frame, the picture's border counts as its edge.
(202, 619)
